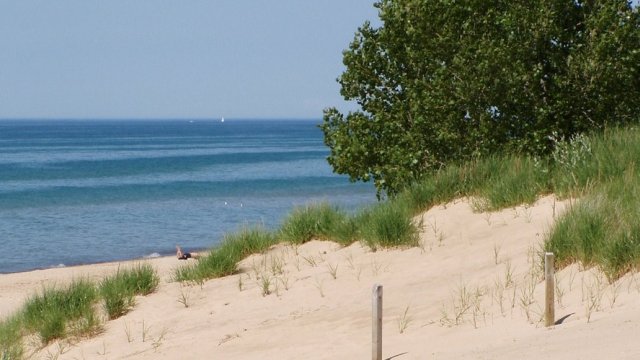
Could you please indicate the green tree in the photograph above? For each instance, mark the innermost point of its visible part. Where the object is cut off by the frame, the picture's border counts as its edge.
(449, 80)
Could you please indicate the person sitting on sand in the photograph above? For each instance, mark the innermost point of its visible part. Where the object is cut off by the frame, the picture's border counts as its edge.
(185, 255)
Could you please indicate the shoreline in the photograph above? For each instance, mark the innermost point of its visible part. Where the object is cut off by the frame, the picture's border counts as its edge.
(154, 255)
(64, 266)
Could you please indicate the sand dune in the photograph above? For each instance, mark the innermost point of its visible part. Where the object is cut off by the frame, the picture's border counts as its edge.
(472, 291)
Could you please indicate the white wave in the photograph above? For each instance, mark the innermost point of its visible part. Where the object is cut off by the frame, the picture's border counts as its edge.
(152, 255)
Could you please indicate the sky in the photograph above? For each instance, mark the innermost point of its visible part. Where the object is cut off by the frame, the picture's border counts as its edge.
(174, 59)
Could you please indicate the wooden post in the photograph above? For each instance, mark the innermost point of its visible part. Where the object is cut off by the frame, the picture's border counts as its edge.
(549, 306)
(377, 322)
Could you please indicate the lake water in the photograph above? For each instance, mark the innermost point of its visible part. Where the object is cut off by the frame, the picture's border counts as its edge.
(74, 192)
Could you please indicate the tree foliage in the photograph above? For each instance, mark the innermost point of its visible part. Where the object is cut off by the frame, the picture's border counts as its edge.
(448, 80)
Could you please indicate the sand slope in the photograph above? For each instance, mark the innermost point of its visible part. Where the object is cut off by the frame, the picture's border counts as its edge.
(473, 291)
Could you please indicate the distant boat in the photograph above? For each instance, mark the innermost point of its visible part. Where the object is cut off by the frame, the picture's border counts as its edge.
(222, 120)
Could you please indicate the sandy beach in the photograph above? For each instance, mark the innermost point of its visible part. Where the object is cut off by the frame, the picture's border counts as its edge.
(473, 290)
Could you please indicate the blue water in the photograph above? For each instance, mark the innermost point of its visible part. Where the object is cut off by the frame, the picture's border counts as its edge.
(74, 192)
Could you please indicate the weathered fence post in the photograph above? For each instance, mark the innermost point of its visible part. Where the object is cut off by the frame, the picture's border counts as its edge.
(549, 306)
(377, 322)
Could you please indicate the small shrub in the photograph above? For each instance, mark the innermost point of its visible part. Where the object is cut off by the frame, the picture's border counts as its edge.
(571, 158)
(585, 162)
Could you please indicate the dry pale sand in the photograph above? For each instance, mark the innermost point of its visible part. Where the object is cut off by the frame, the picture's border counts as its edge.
(473, 291)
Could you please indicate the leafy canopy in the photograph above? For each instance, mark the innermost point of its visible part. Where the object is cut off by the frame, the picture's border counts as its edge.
(449, 80)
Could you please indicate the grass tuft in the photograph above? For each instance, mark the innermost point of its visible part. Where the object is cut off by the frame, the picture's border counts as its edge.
(315, 221)
(223, 260)
(11, 347)
(58, 313)
(602, 229)
(119, 290)
(510, 181)
(388, 224)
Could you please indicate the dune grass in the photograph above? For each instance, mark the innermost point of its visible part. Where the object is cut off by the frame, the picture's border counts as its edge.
(11, 347)
(223, 260)
(119, 290)
(315, 221)
(347, 231)
(58, 313)
(64, 312)
(602, 229)
(385, 225)
(601, 170)
(388, 224)
(494, 182)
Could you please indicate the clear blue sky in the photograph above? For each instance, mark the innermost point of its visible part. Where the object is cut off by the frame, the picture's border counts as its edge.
(174, 59)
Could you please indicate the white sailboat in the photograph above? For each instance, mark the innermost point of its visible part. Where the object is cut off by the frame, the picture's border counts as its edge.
(222, 119)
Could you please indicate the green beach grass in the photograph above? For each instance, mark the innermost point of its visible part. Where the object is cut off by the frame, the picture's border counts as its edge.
(65, 312)
(385, 225)
(223, 260)
(11, 338)
(118, 291)
(388, 224)
(315, 221)
(58, 313)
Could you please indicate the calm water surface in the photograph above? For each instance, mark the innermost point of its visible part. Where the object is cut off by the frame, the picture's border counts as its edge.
(75, 192)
